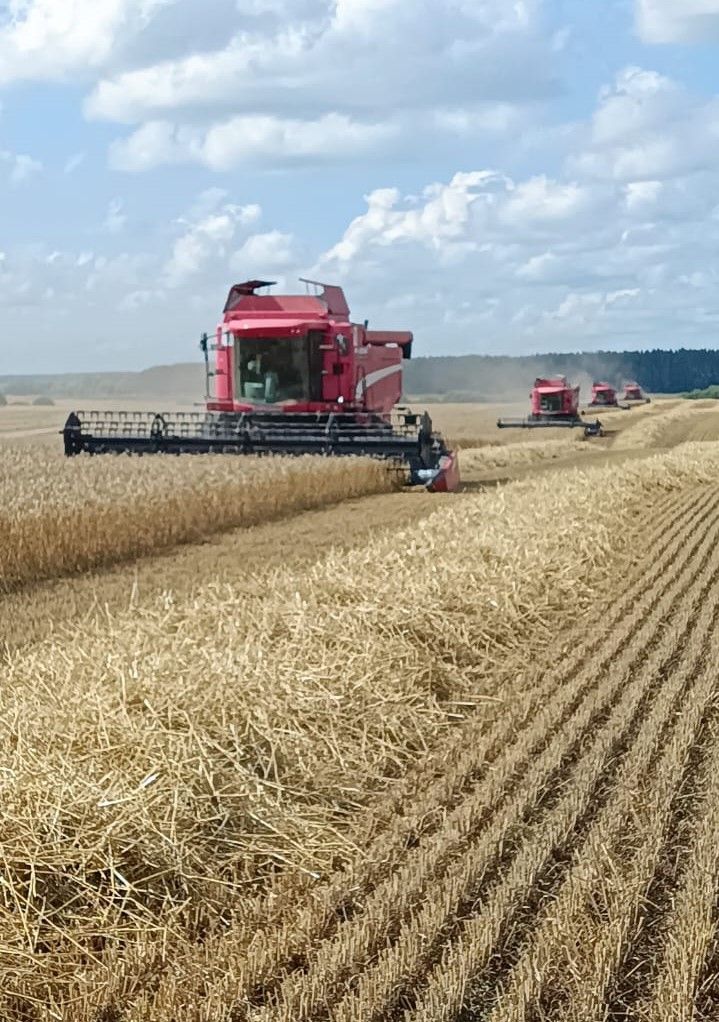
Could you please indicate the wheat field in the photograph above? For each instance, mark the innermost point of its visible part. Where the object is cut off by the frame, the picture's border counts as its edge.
(59, 517)
(459, 767)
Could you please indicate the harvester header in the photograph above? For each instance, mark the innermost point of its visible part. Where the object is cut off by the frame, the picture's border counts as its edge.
(291, 374)
(554, 402)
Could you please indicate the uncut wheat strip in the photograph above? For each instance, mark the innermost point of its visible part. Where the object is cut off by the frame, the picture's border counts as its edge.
(691, 926)
(516, 455)
(554, 958)
(381, 912)
(103, 527)
(651, 426)
(235, 971)
(401, 968)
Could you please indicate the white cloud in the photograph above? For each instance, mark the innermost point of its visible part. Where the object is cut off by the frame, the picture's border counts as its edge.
(584, 259)
(540, 199)
(243, 140)
(46, 39)
(642, 195)
(648, 128)
(20, 167)
(441, 222)
(678, 21)
(544, 267)
(206, 238)
(617, 246)
(329, 79)
(458, 45)
(265, 253)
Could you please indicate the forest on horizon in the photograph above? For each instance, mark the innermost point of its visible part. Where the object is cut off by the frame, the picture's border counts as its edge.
(439, 378)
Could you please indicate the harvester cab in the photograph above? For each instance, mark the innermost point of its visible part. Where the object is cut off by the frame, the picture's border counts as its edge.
(291, 374)
(554, 403)
(603, 396)
(633, 393)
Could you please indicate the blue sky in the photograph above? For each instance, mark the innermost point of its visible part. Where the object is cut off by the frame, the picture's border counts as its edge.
(500, 176)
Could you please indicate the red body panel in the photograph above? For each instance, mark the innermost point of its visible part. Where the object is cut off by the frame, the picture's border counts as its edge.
(603, 394)
(447, 481)
(554, 397)
(359, 369)
(633, 392)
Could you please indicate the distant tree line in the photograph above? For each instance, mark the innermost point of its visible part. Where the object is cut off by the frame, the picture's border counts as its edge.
(469, 377)
(447, 378)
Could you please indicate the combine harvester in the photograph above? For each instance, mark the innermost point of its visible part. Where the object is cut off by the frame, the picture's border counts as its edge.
(603, 396)
(555, 403)
(633, 392)
(292, 375)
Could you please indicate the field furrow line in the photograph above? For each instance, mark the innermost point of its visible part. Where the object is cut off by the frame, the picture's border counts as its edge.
(549, 977)
(631, 988)
(471, 762)
(280, 933)
(310, 992)
(676, 966)
(529, 870)
(623, 902)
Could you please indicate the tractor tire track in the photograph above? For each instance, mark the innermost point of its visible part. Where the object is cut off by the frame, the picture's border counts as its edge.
(282, 939)
(664, 610)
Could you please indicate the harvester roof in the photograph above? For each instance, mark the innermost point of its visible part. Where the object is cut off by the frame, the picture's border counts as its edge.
(551, 385)
(329, 302)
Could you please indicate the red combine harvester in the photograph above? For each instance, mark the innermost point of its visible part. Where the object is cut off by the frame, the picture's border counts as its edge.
(292, 375)
(603, 396)
(554, 403)
(633, 392)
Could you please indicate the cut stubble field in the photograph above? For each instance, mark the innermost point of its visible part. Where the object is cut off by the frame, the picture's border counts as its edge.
(453, 762)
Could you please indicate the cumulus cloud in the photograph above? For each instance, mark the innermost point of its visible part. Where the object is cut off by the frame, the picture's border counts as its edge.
(311, 79)
(206, 238)
(590, 257)
(647, 127)
(304, 64)
(264, 253)
(44, 39)
(615, 247)
(678, 21)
